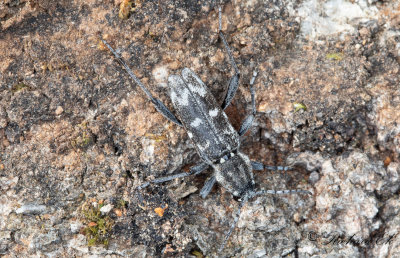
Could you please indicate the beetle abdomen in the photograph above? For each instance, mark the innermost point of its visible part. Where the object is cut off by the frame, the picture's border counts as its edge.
(205, 122)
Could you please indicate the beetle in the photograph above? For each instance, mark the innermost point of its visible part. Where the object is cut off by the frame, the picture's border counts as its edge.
(215, 139)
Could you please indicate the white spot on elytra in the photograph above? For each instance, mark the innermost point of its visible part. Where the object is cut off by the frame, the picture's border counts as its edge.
(194, 82)
(196, 122)
(182, 99)
(213, 113)
(173, 96)
(197, 89)
(190, 134)
(221, 160)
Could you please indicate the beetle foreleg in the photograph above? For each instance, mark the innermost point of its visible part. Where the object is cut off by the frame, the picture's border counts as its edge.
(208, 185)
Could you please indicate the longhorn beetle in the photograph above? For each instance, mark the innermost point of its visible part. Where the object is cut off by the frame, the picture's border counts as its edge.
(207, 125)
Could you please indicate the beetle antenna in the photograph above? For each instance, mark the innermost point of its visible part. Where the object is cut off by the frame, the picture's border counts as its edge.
(236, 219)
(292, 191)
(129, 71)
(157, 103)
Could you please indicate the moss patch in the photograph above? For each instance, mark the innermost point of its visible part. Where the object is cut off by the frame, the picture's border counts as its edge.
(19, 87)
(335, 56)
(98, 226)
(84, 137)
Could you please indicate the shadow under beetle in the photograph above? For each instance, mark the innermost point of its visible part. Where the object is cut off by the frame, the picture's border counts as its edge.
(215, 139)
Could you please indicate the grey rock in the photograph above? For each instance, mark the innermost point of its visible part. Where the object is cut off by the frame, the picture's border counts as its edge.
(32, 209)
(106, 209)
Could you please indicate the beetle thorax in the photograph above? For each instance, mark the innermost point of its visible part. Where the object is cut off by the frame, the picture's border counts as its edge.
(234, 173)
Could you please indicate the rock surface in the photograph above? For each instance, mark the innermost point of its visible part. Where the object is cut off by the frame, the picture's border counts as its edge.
(77, 137)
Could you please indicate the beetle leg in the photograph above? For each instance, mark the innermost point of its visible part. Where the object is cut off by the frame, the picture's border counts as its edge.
(156, 102)
(208, 185)
(232, 88)
(260, 166)
(195, 170)
(234, 81)
(248, 121)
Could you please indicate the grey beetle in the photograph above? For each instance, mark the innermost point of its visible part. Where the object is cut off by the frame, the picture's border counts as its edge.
(215, 139)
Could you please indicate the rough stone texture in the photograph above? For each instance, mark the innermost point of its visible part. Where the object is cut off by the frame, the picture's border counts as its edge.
(76, 131)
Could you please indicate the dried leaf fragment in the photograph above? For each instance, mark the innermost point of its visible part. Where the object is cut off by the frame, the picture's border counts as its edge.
(160, 211)
(92, 224)
(124, 9)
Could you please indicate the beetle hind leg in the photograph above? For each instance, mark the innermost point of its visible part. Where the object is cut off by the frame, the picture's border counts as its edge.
(248, 121)
(234, 81)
